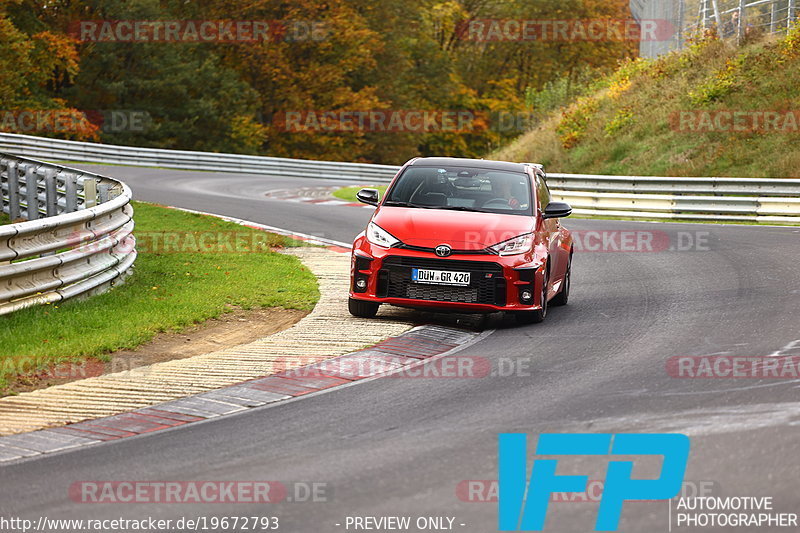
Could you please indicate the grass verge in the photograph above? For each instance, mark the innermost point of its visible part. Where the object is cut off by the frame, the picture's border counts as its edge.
(349, 193)
(176, 283)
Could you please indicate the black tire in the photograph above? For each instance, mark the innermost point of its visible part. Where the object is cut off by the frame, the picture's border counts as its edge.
(524, 318)
(362, 309)
(562, 298)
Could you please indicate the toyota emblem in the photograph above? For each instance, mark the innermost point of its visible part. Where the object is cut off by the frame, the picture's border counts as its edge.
(443, 250)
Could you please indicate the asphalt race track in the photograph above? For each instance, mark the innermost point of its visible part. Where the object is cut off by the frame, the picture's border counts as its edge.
(400, 447)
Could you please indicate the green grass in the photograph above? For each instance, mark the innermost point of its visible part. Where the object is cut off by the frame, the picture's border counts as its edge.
(630, 125)
(171, 288)
(4, 218)
(349, 193)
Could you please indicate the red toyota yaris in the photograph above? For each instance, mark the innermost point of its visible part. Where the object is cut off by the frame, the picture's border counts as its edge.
(463, 235)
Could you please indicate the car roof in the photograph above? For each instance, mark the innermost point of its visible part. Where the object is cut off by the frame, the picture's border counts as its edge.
(474, 163)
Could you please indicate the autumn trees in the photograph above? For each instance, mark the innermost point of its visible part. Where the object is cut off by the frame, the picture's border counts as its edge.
(338, 57)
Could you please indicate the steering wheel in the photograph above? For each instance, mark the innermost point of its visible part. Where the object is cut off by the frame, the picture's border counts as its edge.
(499, 203)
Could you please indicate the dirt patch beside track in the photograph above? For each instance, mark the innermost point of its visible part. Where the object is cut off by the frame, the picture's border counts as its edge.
(231, 329)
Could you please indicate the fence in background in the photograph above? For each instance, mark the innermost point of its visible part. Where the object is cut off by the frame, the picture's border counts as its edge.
(75, 238)
(761, 200)
(733, 19)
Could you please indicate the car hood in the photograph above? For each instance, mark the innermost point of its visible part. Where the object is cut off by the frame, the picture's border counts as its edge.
(461, 230)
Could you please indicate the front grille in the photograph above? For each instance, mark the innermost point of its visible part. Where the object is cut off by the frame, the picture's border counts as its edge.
(442, 293)
(453, 252)
(487, 284)
(444, 264)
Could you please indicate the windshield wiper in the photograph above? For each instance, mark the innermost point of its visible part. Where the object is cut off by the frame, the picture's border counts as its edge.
(458, 208)
(393, 203)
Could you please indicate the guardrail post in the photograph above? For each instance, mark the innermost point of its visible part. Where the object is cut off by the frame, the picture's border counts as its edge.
(718, 17)
(71, 197)
(773, 17)
(13, 191)
(742, 22)
(89, 193)
(31, 192)
(103, 192)
(50, 192)
(704, 14)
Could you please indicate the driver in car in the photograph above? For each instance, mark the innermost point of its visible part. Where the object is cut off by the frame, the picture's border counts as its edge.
(502, 187)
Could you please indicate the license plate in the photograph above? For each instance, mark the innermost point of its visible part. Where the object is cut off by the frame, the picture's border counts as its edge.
(440, 277)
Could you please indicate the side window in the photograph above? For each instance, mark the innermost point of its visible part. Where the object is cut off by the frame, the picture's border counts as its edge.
(542, 191)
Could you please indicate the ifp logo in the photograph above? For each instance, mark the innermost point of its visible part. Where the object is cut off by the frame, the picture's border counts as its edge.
(523, 506)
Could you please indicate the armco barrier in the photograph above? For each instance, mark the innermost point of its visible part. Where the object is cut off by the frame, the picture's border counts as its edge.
(755, 200)
(58, 150)
(76, 238)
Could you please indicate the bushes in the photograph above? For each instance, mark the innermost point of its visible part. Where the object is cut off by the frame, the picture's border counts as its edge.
(576, 121)
(632, 124)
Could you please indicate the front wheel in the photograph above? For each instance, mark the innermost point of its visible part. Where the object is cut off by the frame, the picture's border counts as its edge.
(562, 298)
(362, 309)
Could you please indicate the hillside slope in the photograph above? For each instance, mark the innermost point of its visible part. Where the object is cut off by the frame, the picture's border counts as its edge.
(714, 109)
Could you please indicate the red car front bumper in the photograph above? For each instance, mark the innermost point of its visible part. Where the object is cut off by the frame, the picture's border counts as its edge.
(510, 283)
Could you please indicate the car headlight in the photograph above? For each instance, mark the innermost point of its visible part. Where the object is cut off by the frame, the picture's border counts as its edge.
(518, 245)
(380, 237)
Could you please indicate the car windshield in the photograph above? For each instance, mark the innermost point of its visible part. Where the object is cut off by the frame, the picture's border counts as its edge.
(462, 189)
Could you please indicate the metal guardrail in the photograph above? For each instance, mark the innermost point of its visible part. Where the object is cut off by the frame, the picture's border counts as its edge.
(59, 150)
(76, 238)
(754, 200)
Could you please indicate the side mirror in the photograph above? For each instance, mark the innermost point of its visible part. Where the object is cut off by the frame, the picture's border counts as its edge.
(368, 196)
(557, 210)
